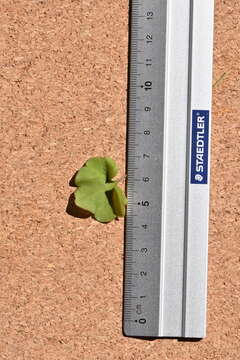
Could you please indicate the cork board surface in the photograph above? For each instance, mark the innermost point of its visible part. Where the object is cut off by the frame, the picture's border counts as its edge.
(63, 82)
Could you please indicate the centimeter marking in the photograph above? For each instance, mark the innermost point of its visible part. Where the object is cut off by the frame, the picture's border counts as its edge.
(144, 167)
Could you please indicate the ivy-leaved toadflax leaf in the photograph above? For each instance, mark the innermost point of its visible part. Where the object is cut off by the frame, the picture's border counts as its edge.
(95, 186)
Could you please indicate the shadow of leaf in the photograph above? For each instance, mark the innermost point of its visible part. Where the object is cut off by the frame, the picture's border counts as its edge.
(73, 210)
(71, 182)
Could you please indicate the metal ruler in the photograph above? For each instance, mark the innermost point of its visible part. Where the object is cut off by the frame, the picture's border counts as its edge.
(169, 118)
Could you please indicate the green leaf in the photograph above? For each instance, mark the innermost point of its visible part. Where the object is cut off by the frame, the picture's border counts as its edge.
(97, 192)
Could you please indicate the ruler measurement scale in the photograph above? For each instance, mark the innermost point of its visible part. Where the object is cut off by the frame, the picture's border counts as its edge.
(153, 305)
(142, 107)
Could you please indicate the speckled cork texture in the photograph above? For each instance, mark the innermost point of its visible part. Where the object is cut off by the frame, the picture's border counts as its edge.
(63, 91)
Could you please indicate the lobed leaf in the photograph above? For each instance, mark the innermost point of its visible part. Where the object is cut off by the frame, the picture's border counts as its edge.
(96, 191)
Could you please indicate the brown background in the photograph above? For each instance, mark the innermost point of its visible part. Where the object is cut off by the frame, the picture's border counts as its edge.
(63, 82)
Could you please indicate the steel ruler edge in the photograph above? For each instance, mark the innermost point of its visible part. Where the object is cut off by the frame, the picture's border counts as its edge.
(168, 173)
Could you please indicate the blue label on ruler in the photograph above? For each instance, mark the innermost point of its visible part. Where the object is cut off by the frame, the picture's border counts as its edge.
(199, 158)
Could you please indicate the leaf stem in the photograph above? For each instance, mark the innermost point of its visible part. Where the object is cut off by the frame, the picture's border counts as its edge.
(220, 79)
(121, 179)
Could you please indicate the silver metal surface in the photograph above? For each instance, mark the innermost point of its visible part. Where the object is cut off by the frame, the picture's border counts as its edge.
(166, 228)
